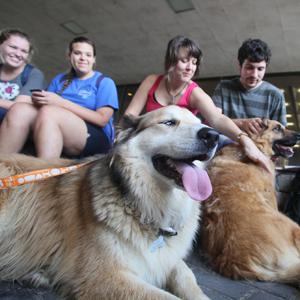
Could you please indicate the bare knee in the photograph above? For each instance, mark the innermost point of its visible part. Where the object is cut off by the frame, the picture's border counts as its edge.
(46, 123)
(47, 115)
(20, 114)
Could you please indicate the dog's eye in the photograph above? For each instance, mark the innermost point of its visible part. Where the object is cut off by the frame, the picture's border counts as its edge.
(169, 122)
(278, 129)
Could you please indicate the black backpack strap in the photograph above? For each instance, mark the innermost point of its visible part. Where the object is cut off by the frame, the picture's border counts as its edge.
(99, 79)
(25, 74)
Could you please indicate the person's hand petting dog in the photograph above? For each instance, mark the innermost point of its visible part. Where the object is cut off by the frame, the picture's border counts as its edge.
(45, 98)
(255, 154)
(251, 125)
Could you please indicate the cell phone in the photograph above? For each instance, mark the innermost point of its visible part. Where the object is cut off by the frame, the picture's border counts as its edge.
(35, 90)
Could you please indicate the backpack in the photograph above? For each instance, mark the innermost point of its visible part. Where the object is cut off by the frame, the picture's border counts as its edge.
(25, 74)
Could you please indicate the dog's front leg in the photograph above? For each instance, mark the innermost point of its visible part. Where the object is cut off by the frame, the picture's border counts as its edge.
(183, 284)
(121, 285)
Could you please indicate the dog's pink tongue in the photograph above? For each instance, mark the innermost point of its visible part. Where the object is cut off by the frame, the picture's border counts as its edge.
(195, 181)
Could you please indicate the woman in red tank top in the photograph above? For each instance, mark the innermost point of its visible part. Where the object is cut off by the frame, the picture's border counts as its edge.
(175, 87)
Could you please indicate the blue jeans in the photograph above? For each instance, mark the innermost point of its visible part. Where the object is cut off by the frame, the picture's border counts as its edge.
(3, 111)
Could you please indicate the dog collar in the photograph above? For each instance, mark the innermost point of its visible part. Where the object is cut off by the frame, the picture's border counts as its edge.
(160, 241)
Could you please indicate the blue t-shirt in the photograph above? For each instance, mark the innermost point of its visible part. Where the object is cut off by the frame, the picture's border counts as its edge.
(86, 93)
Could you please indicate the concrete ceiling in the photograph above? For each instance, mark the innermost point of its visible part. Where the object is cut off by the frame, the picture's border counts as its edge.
(131, 35)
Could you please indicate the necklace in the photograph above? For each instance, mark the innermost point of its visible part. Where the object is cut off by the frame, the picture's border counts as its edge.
(174, 97)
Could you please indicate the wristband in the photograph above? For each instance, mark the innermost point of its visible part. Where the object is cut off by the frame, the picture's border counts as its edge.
(238, 137)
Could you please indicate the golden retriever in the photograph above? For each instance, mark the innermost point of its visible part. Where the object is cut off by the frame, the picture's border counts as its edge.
(119, 227)
(243, 233)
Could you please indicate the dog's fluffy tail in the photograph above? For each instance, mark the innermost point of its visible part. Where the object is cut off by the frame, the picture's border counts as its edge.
(280, 265)
(292, 274)
(287, 266)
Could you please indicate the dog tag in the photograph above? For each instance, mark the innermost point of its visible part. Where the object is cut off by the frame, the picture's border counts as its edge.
(167, 231)
(158, 243)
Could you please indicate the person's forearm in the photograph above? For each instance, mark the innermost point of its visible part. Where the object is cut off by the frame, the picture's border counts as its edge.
(227, 127)
(23, 98)
(94, 117)
(6, 104)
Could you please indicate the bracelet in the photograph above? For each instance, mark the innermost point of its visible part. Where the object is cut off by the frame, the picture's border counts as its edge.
(238, 137)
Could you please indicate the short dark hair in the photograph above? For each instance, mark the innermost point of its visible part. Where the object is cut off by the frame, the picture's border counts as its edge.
(82, 39)
(254, 50)
(172, 53)
(7, 33)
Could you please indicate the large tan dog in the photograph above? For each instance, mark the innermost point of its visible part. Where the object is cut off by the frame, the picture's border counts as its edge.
(119, 227)
(243, 232)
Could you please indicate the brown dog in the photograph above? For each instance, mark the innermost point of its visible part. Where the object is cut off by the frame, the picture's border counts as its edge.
(119, 227)
(243, 233)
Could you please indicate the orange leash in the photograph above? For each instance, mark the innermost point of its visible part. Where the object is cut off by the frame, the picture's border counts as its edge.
(28, 177)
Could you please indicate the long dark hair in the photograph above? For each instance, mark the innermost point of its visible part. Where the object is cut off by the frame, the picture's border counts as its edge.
(72, 73)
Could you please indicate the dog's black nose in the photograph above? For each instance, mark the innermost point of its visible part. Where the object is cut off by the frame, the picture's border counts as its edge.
(209, 135)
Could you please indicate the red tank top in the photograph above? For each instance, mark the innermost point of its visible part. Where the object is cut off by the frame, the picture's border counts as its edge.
(184, 101)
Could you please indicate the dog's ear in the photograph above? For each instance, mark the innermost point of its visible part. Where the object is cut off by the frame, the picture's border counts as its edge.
(125, 128)
(265, 123)
(129, 121)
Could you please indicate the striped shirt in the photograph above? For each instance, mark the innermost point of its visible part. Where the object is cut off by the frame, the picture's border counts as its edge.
(236, 102)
